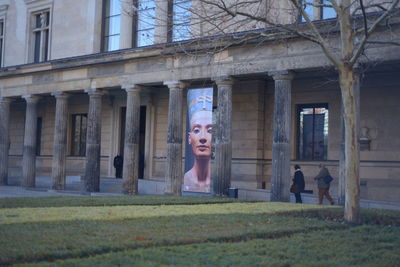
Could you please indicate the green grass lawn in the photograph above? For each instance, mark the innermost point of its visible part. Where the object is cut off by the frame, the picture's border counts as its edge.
(189, 231)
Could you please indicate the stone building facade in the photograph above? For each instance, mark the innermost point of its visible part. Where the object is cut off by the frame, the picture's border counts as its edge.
(79, 85)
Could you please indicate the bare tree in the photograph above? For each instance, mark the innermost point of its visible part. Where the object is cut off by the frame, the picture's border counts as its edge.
(353, 27)
(356, 22)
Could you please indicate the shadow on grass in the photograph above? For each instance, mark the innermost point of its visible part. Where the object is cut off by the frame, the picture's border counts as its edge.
(355, 246)
(368, 216)
(63, 239)
(87, 201)
(32, 242)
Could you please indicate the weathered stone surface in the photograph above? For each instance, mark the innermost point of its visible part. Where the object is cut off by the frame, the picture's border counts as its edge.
(29, 153)
(108, 69)
(92, 170)
(131, 146)
(4, 138)
(151, 65)
(174, 173)
(223, 138)
(60, 142)
(46, 77)
(281, 136)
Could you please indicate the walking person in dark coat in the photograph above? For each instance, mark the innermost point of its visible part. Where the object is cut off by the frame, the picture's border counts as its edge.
(323, 188)
(118, 164)
(298, 183)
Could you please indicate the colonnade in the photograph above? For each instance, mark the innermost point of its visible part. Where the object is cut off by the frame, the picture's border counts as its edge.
(174, 172)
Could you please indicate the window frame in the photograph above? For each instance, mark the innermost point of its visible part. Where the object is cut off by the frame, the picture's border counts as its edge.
(44, 35)
(3, 17)
(136, 18)
(317, 12)
(34, 7)
(173, 23)
(2, 33)
(104, 34)
(299, 107)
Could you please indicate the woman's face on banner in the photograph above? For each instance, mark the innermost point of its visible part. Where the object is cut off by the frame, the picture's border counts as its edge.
(200, 133)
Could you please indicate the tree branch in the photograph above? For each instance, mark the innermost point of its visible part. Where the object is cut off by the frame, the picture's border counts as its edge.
(263, 19)
(364, 17)
(361, 46)
(384, 42)
(321, 40)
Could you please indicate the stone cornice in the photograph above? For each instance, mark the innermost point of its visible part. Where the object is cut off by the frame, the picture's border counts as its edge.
(265, 36)
(29, 2)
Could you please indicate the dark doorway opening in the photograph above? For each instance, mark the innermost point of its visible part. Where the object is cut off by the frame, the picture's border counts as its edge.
(142, 136)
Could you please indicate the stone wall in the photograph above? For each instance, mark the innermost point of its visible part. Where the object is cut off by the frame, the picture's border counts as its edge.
(75, 29)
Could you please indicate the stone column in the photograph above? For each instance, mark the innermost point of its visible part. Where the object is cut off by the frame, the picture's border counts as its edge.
(92, 169)
(281, 136)
(223, 138)
(126, 24)
(174, 173)
(4, 138)
(131, 145)
(29, 153)
(60, 141)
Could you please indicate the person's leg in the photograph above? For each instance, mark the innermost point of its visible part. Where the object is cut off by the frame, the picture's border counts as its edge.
(321, 193)
(119, 172)
(328, 196)
(298, 197)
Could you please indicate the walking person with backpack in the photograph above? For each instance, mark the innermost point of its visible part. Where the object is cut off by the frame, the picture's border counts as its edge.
(298, 183)
(324, 179)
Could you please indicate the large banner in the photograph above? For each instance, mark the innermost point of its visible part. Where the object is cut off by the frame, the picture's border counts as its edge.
(198, 152)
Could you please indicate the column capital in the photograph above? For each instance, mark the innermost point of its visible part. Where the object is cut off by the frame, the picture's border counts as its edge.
(31, 98)
(94, 92)
(60, 95)
(132, 87)
(176, 84)
(224, 80)
(282, 75)
(6, 100)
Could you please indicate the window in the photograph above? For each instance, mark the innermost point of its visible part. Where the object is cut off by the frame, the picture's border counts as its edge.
(78, 139)
(181, 18)
(111, 25)
(318, 9)
(312, 121)
(1, 41)
(41, 22)
(146, 11)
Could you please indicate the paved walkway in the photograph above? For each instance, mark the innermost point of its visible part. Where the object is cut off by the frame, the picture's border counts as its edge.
(112, 186)
(17, 191)
(74, 185)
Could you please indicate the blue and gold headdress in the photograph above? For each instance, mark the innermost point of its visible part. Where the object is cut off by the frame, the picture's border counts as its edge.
(199, 99)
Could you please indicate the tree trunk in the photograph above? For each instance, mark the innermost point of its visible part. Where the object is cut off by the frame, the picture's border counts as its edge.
(350, 88)
(342, 161)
